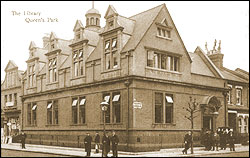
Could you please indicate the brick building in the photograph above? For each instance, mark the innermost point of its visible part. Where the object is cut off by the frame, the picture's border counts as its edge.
(10, 100)
(66, 80)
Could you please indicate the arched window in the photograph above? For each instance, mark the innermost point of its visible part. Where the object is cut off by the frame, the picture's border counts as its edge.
(87, 22)
(92, 21)
(97, 21)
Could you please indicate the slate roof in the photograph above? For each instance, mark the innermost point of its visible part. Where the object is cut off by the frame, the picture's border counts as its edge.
(198, 66)
(143, 22)
(230, 76)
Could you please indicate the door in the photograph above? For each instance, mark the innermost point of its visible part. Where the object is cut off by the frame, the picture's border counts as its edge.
(208, 123)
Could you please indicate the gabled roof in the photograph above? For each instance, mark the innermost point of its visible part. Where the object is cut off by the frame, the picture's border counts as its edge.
(40, 53)
(11, 64)
(211, 65)
(32, 45)
(230, 76)
(52, 35)
(110, 11)
(142, 24)
(78, 25)
(126, 23)
(198, 66)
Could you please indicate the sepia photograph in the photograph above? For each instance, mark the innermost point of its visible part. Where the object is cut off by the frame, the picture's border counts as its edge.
(124, 78)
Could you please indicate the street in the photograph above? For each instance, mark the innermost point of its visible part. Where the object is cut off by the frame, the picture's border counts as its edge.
(16, 153)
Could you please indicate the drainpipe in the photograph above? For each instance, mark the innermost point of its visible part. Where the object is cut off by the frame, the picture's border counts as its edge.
(22, 111)
(127, 83)
(226, 108)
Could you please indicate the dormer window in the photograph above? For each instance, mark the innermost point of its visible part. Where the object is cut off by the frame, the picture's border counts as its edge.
(78, 63)
(53, 70)
(32, 75)
(52, 46)
(111, 23)
(163, 33)
(111, 55)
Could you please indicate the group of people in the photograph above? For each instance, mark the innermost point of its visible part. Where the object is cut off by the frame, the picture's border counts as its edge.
(105, 144)
(221, 138)
(212, 140)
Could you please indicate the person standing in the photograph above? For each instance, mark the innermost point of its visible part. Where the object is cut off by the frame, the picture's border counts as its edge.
(105, 141)
(231, 140)
(23, 137)
(97, 142)
(187, 141)
(206, 140)
(87, 143)
(215, 140)
(115, 141)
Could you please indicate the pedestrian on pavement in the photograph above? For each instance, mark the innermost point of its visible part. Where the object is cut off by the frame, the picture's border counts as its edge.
(231, 140)
(97, 142)
(105, 145)
(87, 143)
(187, 142)
(224, 136)
(215, 140)
(23, 137)
(206, 140)
(210, 143)
(115, 141)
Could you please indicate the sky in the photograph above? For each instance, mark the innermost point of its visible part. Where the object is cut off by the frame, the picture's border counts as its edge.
(196, 22)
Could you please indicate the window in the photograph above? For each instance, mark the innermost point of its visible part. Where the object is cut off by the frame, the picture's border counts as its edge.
(15, 99)
(238, 95)
(106, 98)
(240, 124)
(116, 107)
(74, 110)
(78, 63)
(92, 21)
(55, 112)
(169, 109)
(158, 108)
(87, 22)
(111, 55)
(32, 76)
(29, 114)
(246, 124)
(49, 113)
(163, 109)
(163, 33)
(162, 61)
(113, 113)
(10, 96)
(111, 23)
(6, 99)
(33, 116)
(53, 70)
(82, 101)
(52, 46)
(229, 95)
(79, 103)
(97, 21)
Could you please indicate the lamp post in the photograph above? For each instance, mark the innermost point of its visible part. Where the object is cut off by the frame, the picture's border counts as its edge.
(104, 108)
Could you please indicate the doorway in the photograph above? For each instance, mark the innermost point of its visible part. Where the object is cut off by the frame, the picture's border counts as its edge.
(208, 123)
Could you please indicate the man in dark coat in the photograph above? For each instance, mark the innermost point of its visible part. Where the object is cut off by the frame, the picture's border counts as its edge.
(115, 141)
(23, 137)
(187, 141)
(224, 140)
(215, 141)
(97, 142)
(105, 145)
(87, 143)
(206, 140)
(231, 140)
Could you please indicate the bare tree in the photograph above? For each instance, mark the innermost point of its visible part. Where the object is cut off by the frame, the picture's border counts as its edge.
(192, 109)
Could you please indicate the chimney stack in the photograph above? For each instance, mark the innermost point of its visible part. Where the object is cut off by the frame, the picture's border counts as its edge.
(45, 40)
(215, 55)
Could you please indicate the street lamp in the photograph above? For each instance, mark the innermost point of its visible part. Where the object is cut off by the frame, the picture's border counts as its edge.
(104, 108)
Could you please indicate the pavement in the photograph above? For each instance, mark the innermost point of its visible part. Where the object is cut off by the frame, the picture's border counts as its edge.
(80, 152)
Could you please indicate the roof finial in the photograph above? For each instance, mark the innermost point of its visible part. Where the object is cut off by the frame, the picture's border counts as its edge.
(93, 4)
(214, 45)
(219, 47)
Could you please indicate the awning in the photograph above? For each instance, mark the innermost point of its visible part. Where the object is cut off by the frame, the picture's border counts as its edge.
(169, 99)
(116, 97)
(49, 105)
(74, 102)
(232, 111)
(34, 107)
(82, 101)
(106, 98)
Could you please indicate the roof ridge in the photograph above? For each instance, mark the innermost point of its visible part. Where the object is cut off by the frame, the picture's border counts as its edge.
(126, 17)
(147, 10)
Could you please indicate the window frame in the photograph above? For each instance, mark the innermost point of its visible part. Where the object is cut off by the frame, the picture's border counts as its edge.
(111, 56)
(52, 70)
(78, 63)
(239, 89)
